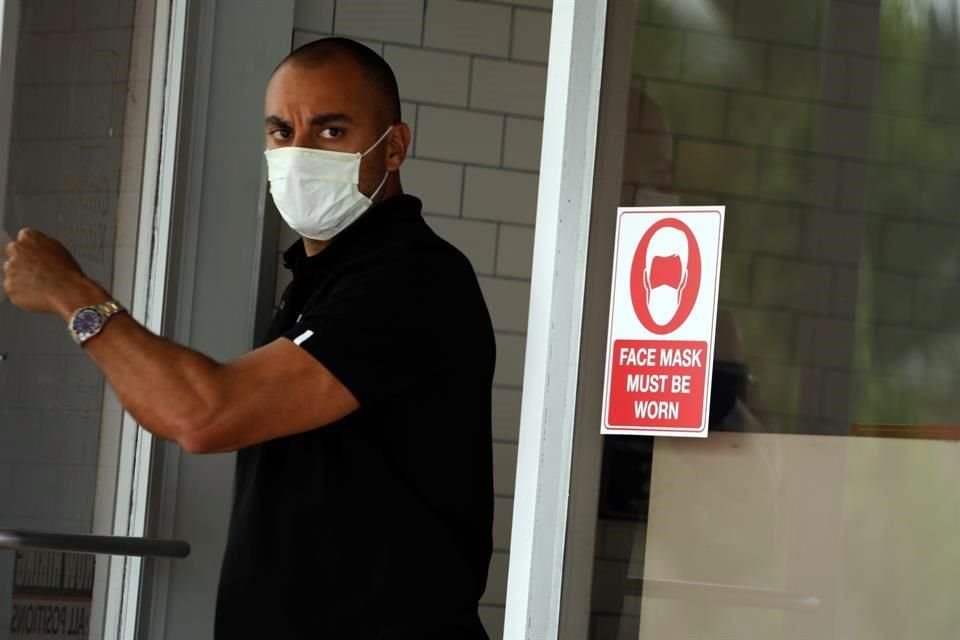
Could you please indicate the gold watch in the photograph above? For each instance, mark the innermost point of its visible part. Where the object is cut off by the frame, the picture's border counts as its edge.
(87, 322)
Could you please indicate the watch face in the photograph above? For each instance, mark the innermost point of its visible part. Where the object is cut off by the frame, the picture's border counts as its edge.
(87, 322)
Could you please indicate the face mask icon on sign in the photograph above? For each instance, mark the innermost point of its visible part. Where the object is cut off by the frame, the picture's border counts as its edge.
(665, 273)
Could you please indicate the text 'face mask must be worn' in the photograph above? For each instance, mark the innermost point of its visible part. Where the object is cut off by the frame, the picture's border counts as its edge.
(318, 191)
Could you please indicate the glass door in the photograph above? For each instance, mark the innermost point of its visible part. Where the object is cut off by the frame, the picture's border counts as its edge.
(77, 88)
(821, 506)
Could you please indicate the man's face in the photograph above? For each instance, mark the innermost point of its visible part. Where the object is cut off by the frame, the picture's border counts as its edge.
(330, 106)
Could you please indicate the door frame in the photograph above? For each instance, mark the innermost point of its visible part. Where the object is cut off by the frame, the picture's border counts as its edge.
(586, 462)
(219, 225)
(551, 368)
(118, 588)
(9, 32)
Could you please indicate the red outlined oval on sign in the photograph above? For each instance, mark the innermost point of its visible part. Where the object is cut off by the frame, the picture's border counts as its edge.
(688, 280)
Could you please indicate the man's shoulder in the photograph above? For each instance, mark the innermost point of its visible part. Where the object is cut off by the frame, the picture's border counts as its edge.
(418, 255)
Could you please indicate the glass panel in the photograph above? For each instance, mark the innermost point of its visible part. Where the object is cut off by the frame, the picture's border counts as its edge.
(73, 96)
(821, 506)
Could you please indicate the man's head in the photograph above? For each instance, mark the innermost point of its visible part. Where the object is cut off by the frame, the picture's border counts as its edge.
(648, 161)
(339, 95)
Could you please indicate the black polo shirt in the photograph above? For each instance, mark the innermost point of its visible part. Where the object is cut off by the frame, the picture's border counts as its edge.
(379, 525)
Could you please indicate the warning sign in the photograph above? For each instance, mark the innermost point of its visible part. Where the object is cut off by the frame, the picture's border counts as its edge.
(663, 316)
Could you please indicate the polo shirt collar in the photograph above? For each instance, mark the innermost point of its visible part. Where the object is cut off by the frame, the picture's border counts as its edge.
(380, 217)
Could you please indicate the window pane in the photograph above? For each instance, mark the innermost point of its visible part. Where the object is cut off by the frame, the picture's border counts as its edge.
(820, 506)
(73, 100)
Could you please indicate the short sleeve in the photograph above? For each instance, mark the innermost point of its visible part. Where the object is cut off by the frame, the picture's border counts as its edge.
(378, 330)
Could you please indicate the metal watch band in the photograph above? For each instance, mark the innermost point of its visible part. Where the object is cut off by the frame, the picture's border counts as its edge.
(103, 311)
(109, 309)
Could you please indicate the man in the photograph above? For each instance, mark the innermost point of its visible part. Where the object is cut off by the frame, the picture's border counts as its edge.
(363, 498)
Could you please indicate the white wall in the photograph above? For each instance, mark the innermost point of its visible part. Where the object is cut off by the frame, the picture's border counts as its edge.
(472, 79)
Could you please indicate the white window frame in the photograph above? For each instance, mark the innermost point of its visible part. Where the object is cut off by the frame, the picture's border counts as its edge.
(555, 319)
(118, 592)
(9, 29)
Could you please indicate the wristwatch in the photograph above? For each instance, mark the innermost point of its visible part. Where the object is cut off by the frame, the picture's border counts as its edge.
(87, 322)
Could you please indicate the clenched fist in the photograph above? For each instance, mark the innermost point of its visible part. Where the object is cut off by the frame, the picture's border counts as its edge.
(4, 241)
(40, 275)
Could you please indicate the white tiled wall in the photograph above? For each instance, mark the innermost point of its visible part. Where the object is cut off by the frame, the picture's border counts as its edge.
(472, 78)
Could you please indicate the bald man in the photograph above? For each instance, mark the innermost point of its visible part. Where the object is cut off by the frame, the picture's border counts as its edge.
(363, 500)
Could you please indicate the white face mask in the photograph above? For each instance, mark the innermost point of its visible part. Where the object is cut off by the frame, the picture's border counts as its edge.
(665, 275)
(663, 303)
(318, 191)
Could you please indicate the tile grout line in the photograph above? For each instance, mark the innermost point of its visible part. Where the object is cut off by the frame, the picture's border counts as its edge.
(463, 188)
(469, 82)
(503, 141)
(416, 130)
(510, 32)
(423, 22)
(496, 253)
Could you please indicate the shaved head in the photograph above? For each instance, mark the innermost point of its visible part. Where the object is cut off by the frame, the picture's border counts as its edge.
(373, 67)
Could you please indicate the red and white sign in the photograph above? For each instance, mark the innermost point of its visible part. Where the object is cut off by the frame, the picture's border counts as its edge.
(663, 317)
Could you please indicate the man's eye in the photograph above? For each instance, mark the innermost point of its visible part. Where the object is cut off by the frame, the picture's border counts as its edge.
(331, 133)
(280, 134)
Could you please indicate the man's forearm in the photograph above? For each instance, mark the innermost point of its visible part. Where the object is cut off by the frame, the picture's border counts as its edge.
(170, 390)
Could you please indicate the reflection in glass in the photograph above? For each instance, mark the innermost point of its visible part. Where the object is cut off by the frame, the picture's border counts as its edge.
(69, 127)
(821, 505)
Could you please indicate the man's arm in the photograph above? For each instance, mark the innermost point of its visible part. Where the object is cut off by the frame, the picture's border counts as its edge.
(174, 392)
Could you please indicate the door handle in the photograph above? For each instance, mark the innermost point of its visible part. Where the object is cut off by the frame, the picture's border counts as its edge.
(17, 539)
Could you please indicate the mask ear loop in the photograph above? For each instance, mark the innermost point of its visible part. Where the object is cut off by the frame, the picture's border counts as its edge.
(379, 140)
(683, 285)
(373, 196)
(646, 285)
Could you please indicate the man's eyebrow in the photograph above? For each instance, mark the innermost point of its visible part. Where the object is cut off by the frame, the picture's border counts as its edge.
(322, 119)
(277, 121)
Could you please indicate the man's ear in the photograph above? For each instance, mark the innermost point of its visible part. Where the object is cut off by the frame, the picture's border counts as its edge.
(398, 141)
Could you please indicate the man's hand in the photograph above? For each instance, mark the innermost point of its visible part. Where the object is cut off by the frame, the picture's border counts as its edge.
(4, 241)
(40, 275)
